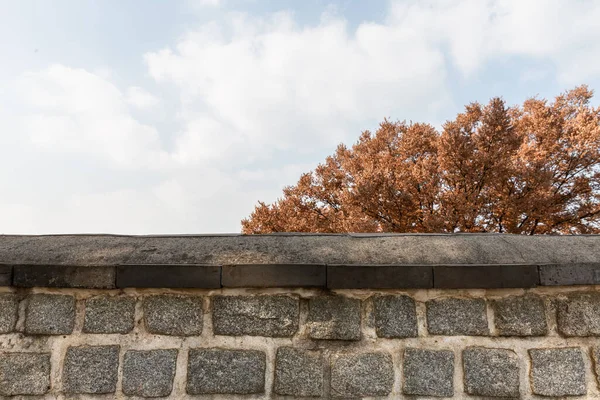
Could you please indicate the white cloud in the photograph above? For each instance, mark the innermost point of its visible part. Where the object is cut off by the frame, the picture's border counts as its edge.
(269, 85)
(74, 111)
(258, 101)
(564, 33)
(204, 3)
(140, 98)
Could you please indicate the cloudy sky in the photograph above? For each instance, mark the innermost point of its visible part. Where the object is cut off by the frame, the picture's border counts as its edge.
(177, 116)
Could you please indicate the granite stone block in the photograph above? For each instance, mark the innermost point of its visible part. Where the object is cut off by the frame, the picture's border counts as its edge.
(520, 316)
(91, 369)
(428, 372)
(455, 316)
(298, 372)
(50, 314)
(221, 371)
(176, 315)
(361, 375)
(491, 372)
(149, 373)
(395, 316)
(579, 314)
(558, 372)
(334, 318)
(109, 314)
(9, 309)
(24, 373)
(273, 316)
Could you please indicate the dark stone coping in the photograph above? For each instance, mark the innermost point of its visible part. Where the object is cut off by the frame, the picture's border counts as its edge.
(332, 261)
(400, 276)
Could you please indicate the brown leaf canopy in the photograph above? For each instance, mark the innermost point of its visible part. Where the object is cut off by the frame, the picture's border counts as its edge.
(530, 169)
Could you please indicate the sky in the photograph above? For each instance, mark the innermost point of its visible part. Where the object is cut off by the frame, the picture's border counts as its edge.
(165, 117)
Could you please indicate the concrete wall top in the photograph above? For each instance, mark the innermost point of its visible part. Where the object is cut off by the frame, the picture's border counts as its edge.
(371, 249)
(462, 261)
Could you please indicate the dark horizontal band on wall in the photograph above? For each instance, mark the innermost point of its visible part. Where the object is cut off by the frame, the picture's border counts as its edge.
(486, 276)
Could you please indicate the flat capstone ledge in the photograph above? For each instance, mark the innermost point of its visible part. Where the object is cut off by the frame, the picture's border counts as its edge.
(327, 261)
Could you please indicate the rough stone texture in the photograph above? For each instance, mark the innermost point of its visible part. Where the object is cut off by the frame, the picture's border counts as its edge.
(579, 315)
(485, 276)
(334, 318)
(387, 248)
(275, 275)
(491, 372)
(520, 316)
(149, 373)
(24, 373)
(64, 276)
(91, 369)
(395, 316)
(275, 316)
(213, 371)
(169, 276)
(6, 275)
(298, 372)
(360, 375)
(558, 372)
(454, 316)
(173, 314)
(428, 372)
(379, 276)
(50, 314)
(596, 363)
(109, 314)
(9, 307)
(571, 273)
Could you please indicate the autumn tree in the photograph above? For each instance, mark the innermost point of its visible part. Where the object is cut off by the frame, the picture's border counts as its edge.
(529, 169)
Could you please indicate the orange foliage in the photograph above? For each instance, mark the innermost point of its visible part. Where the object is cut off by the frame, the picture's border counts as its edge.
(530, 169)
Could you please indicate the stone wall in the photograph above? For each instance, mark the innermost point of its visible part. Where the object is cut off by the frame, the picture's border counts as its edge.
(300, 316)
(272, 343)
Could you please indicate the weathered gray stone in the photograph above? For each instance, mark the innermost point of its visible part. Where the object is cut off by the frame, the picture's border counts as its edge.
(213, 371)
(395, 316)
(334, 318)
(176, 315)
(596, 363)
(352, 276)
(454, 316)
(50, 314)
(558, 372)
(482, 276)
(491, 372)
(275, 316)
(169, 276)
(6, 275)
(520, 316)
(64, 276)
(24, 373)
(570, 273)
(149, 373)
(109, 314)
(274, 275)
(9, 309)
(428, 372)
(291, 248)
(579, 314)
(91, 369)
(360, 375)
(298, 373)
